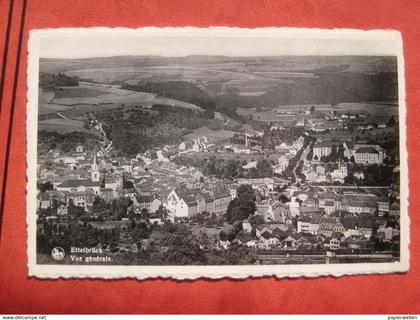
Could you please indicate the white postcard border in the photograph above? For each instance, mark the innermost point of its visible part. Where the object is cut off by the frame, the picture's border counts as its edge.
(215, 272)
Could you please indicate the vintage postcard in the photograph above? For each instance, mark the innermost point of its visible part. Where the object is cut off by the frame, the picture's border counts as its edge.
(216, 152)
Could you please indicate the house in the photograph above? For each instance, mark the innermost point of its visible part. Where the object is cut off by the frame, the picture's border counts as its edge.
(149, 203)
(359, 203)
(305, 243)
(362, 207)
(340, 173)
(62, 210)
(367, 155)
(262, 229)
(387, 231)
(359, 243)
(247, 239)
(294, 207)
(80, 148)
(329, 206)
(273, 242)
(322, 149)
(359, 175)
(68, 160)
(224, 244)
(365, 225)
(280, 212)
(155, 219)
(181, 204)
(209, 203)
(334, 241)
(246, 226)
(107, 194)
(221, 202)
(364, 153)
(383, 206)
(289, 243)
(266, 211)
(81, 199)
(304, 211)
(130, 193)
(350, 224)
(329, 225)
(283, 163)
(79, 186)
(241, 149)
(308, 224)
(44, 201)
(394, 210)
(115, 183)
(325, 196)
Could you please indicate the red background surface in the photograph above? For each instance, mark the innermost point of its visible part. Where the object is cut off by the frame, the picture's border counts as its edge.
(398, 293)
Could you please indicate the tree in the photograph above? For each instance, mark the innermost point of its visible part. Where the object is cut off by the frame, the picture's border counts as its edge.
(73, 210)
(264, 168)
(340, 152)
(45, 186)
(99, 205)
(283, 198)
(310, 154)
(222, 235)
(242, 206)
(256, 220)
(145, 214)
(391, 122)
(163, 213)
(312, 110)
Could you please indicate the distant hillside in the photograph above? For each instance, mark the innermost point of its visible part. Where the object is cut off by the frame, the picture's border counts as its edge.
(331, 88)
(179, 90)
(223, 84)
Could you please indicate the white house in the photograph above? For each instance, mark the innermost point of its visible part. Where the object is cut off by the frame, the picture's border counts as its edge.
(181, 206)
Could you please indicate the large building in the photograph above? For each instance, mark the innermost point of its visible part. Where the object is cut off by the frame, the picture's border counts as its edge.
(181, 205)
(368, 155)
(364, 153)
(221, 202)
(322, 149)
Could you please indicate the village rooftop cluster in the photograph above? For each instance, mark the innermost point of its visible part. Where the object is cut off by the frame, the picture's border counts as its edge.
(320, 194)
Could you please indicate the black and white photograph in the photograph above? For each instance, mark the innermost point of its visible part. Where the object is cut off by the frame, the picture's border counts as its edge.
(186, 153)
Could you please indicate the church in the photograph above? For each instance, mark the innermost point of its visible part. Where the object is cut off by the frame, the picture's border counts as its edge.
(84, 184)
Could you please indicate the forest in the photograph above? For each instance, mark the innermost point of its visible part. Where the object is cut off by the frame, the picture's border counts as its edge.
(54, 80)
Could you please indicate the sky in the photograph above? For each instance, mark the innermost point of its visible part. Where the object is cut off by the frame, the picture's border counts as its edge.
(178, 42)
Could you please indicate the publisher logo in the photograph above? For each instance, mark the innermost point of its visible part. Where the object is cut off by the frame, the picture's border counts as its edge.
(58, 253)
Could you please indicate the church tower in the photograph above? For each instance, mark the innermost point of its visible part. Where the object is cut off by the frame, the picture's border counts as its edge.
(95, 169)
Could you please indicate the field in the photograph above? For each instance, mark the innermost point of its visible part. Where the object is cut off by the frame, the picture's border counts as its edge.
(50, 108)
(213, 136)
(91, 94)
(251, 76)
(64, 126)
(78, 92)
(377, 112)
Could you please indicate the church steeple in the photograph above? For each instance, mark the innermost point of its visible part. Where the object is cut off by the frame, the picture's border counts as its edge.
(95, 169)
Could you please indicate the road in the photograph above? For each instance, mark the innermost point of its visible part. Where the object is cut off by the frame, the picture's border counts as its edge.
(62, 116)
